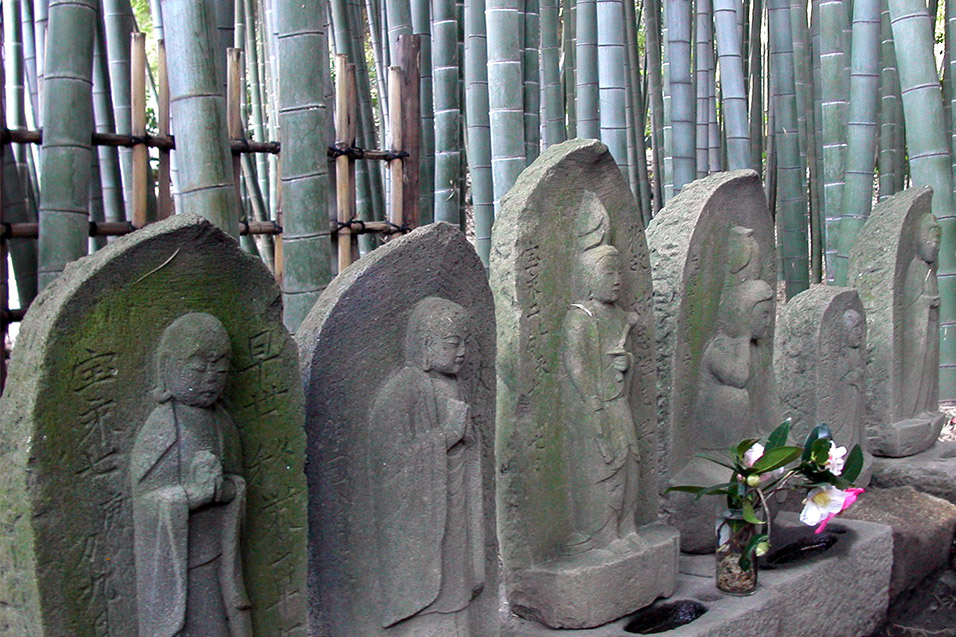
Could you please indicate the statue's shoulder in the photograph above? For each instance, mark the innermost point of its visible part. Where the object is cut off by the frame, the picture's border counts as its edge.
(153, 438)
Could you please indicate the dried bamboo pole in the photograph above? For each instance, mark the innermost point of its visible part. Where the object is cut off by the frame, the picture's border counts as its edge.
(396, 166)
(140, 166)
(345, 117)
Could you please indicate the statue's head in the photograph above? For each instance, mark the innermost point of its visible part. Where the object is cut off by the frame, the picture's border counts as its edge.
(743, 255)
(747, 309)
(435, 337)
(855, 327)
(928, 238)
(192, 361)
(601, 273)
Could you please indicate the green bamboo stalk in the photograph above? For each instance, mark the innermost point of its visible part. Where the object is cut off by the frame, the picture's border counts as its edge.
(29, 52)
(949, 80)
(683, 120)
(667, 132)
(23, 252)
(40, 24)
(68, 129)
(834, 93)
(421, 26)
(447, 111)
(569, 64)
(637, 123)
(478, 123)
(929, 158)
(111, 189)
(506, 100)
(97, 214)
(862, 129)
(14, 71)
(552, 98)
(732, 89)
(369, 177)
(801, 51)
(224, 12)
(586, 69)
(198, 110)
(302, 49)
(612, 58)
(704, 81)
(791, 197)
(656, 92)
(531, 68)
(257, 112)
(119, 24)
(756, 78)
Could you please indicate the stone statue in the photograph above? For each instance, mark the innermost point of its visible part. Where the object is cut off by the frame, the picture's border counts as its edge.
(188, 494)
(848, 388)
(921, 320)
(603, 456)
(427, 480)
(723, 413)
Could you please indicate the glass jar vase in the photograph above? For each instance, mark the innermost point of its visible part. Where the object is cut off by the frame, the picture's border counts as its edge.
(736, 568)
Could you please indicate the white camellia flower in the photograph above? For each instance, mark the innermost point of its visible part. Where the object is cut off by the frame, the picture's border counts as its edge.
(822, 502)
(836, 459)
(753, 454)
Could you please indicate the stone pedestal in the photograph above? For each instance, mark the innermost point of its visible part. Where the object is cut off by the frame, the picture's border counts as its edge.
(932, 471)
(599, 586)
(908, 436)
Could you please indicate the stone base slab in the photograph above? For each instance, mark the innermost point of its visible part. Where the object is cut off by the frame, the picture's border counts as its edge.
(599, 586)
(842, 593)
(932, 471)
(907, 437)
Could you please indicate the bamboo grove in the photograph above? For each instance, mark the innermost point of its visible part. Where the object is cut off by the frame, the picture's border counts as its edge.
(836, 103)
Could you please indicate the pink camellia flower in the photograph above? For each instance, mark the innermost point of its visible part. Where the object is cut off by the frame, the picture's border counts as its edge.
(836, 459)
(825, 503)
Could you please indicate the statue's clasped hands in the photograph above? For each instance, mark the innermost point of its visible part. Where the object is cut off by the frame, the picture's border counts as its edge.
(206, 482)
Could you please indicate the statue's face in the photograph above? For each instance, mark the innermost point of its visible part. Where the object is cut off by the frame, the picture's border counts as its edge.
(929, 239)
(853, 323)
(760, 318)
(446, 353)
(606, 281)
(200, 378)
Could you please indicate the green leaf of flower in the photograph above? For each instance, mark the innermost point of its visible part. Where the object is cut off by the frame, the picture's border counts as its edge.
(820, 432)
(776, 458)
(820, 451)
(750, 515)
(778, 437)
(744, 445)
(744, 561)
(853, 464)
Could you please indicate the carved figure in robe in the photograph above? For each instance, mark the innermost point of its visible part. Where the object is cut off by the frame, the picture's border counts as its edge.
(842, 407)
(920, 356)
(601, 439)
(188, 492)
(723, 413)
(426, 458)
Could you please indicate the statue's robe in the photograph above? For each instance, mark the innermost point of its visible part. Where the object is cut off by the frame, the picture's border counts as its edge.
(428, 496)
(170, 541)
(920, 359)
(601, 439)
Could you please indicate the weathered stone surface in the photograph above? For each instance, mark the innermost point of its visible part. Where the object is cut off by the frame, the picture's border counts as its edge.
(712, 257)
(842, 592)
(576, 447)
(893, 266)
(932, 471)
(922, 526)
(100, 415)
(820, 360)
(398, 363)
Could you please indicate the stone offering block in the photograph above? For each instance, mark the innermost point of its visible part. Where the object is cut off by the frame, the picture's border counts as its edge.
(932, 471)
(398, 360)
(893, 266)
(153, 395)
(713, 263)
(576, 446)
(820, 360)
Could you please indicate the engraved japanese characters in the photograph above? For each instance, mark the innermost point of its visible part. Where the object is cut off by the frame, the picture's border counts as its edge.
(111, 441)
(400, 422)
(893, 266)
(188, 494)
(712, 254)
(576, 446)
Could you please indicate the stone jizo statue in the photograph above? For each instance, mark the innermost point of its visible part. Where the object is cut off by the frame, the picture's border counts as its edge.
(921, 315)
(426, 459)
(188, 494)
(603, 459)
